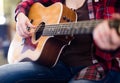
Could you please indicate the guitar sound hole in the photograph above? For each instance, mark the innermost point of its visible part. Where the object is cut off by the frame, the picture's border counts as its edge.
(37, 36)
(40, 30)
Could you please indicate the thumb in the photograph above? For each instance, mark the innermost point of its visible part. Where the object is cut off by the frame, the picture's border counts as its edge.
(116, 16)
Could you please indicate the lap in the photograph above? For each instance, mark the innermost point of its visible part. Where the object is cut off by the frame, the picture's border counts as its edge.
(29, 71)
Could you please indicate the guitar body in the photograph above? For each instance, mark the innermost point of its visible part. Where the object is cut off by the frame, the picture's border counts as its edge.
(45, 50)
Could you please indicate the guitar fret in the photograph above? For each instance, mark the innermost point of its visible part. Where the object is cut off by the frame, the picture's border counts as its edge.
(63, 30)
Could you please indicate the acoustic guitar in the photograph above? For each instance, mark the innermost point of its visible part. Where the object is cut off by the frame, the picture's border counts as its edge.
(56, 27)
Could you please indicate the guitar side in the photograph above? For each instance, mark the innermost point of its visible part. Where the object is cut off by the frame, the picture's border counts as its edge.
(45, 50)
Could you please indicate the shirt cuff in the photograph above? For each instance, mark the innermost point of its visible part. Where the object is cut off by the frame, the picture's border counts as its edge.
(17, 11)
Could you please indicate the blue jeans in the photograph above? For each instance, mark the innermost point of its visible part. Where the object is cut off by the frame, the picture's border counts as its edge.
(30, 72)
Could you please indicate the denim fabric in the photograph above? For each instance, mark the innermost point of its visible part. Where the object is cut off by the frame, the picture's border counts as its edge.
(30, 72)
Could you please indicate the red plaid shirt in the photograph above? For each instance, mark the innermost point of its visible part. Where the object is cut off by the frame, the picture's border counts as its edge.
(102, 10)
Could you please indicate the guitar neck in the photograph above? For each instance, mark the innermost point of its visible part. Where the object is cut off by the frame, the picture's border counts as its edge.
(71, 28)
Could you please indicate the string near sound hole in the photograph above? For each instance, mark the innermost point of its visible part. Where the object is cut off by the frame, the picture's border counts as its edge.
(39, 30)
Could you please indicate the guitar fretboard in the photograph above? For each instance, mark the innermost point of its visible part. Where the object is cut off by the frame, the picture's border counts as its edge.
(71, 28)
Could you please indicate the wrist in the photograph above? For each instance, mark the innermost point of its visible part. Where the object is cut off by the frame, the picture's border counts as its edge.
(19, 15)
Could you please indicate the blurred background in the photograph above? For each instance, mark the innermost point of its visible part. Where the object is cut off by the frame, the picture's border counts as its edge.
(7, 27)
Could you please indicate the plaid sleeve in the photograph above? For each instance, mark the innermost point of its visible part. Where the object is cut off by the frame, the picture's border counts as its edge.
(104, 10)
(24, 6)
